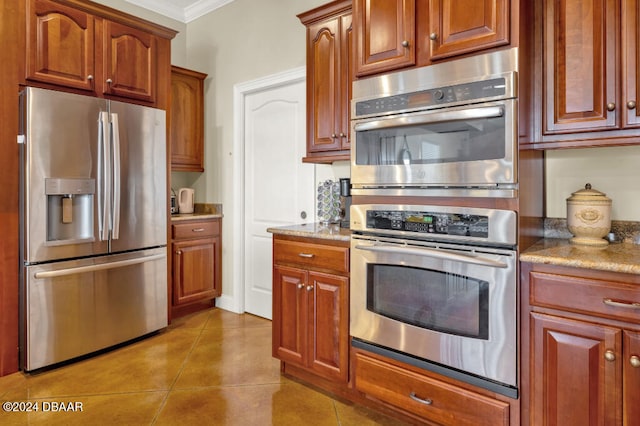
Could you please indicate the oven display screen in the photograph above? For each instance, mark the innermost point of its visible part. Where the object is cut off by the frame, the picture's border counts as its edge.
(431, 223)
(434, 300)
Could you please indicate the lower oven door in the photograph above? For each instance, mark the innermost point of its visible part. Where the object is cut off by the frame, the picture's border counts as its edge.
(448, 304)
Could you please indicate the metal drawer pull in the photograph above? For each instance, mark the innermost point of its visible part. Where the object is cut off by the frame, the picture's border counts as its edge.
(427, 401)
(300, 286)
(197, 230)
(609, 355)
(621, 304)
(307, 255)
(635, 361)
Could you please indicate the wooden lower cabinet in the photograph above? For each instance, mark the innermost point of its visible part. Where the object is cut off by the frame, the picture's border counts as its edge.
(576, 380)
(196, 262)
(431, 398)
(581, 347)
(311, 307)
(311, 339)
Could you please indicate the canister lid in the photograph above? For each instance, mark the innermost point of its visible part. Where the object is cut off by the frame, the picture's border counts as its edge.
(588, 194)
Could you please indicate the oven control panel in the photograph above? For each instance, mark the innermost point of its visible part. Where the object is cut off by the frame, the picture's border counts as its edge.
(429, 223)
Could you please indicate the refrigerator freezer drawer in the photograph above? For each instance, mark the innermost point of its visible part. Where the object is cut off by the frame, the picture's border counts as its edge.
(77, 307)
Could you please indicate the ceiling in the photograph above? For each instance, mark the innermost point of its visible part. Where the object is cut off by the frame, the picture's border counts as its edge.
(181, 10)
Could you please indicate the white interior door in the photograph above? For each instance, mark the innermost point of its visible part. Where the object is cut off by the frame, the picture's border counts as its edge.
(279, 188)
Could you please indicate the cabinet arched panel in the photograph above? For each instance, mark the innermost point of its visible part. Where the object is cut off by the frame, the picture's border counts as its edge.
(60, 44)
(130, 62)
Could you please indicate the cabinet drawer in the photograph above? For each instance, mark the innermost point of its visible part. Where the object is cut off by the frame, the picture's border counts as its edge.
(313, 256)
(429, 398)
(199, 229)
(583, 295)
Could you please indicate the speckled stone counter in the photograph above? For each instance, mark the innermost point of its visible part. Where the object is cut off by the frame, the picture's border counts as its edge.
(200, 211)
(620, 257)
(314, 230)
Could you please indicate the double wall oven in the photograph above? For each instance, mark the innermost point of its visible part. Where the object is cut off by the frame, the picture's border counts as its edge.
(433, 270)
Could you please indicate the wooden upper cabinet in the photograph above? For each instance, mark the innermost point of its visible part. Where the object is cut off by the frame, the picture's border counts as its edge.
(462, 26)
(630, 68)
(580, 39)
(385, 35)
(86, 47)
(186, 120)
(329, 77)
(130, 62)
(60, 45)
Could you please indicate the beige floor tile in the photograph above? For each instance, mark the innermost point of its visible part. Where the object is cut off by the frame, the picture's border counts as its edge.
(150, 364)
(357, 415)
(115, 409)
(209, 368)
(281, 404)
(230, 357)
(195, 320)
(224, 319)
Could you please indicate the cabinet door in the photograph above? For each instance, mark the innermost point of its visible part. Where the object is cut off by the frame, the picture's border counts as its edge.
(575, 372)
(187, 120)
(631, 386)
(194, 270)
(462, 26)
(630, 67)
(60, 45)
(385, 35)
(329, 331)
(580, 59)
(323, 91)
(347, 77)
(130, 62)
(290, 314)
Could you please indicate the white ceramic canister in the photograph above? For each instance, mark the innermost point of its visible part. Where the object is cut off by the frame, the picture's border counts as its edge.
(589, 217)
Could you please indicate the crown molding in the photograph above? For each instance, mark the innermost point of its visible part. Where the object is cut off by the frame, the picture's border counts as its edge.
(194, 10)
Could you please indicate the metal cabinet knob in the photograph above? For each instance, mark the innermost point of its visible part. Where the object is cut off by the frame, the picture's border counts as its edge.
(89, 77)
(609, 355)
(342, 135)
(333, 136)
(109, 81)
(303, 215)
(611, 106)
(179, 252)
(631, 104)
(405, 43)
(309, 287)
(300, 286)
(433, 36)
(635, 361)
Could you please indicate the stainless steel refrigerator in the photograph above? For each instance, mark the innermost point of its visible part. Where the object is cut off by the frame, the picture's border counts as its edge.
(93, 224)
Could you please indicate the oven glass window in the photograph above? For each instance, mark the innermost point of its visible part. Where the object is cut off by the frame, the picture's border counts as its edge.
(435, 300)
(442, 142)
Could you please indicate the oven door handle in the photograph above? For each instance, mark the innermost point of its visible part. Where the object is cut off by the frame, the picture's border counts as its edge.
(434, 117)
(435, 253)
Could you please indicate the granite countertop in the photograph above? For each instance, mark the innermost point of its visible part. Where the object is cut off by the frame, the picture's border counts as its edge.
(200, 211)
(314, 230)
(617, 257)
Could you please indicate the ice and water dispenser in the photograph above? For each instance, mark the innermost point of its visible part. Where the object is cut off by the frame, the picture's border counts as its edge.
(69, 210)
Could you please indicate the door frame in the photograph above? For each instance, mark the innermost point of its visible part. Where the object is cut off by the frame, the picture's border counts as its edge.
(235, 301)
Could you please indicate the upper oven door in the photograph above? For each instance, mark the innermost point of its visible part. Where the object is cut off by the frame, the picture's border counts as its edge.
(465, 146)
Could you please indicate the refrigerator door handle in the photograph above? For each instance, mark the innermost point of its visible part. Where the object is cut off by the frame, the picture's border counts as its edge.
(104, 176)
(115, 133)
(94, 268)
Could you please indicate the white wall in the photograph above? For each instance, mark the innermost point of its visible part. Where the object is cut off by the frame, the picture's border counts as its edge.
(241, 41)
(614, 171)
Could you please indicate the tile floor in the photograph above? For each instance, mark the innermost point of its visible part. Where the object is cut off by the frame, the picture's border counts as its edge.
(209, 368)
